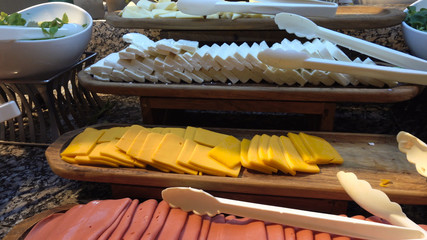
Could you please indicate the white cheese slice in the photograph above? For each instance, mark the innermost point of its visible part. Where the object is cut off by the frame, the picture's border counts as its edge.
(308, 75)
(112, 61)
(213, 16)
(209, 57)
(256, 75)
(161, 78)
(311, 49)
(99, 68)
(252, 58)
(337, 53)
(189, 57)
(170, 61)
(233, 48)
(101, 78)
(183, 62)
(180, 14)
(236, 15)
(170, 14)
(269, 76)
(203, 74)
(241, 53)
(198, 55)
(132, 11)
(340, 78)
(171, 77)
(132, 48)
(167, 45)
(296, 75)
(183, 76)
(136, 77)
(230, 75)
(166, 5)
(217, 76)
(187, 45)
(243, 75)
(280, 76)
(221, 55)
(120, 76)
(123, 54)
(195, 78)
(156, 12)
(146, 4)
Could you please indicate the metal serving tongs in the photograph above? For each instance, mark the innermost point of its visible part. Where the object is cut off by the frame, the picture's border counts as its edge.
(309, 8)
(200, 202)
(304, 27)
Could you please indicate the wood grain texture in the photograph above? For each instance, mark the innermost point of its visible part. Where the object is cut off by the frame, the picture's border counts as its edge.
(253, 91)
(371, 157)
(347, 17)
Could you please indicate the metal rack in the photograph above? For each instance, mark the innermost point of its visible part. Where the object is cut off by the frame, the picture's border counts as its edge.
(50, 107)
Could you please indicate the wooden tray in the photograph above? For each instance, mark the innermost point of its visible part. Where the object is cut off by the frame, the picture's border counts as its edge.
(347, 17)
(21, 230)
(371, 157)
(248, 91)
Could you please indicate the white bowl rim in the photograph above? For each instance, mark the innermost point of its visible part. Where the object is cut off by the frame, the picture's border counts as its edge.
(87, 28)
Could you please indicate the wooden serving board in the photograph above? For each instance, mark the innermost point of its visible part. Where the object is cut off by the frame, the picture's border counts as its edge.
(347, 17)
(371, 157)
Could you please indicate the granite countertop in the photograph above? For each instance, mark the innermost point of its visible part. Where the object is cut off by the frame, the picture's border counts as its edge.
(28, 186)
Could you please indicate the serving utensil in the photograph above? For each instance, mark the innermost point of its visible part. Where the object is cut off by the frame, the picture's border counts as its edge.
(304, 27)
(8, 110)
(310, 8)
(26, 33)
(292, 59)
(376, 202)
(200, 202)
(415, 150)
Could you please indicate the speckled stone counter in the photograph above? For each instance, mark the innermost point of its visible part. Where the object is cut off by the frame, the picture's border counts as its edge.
(28, 186)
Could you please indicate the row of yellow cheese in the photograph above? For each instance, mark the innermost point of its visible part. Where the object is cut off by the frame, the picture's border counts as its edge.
(199, 151)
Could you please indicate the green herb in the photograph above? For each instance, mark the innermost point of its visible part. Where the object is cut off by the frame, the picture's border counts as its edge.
(51, 27)
(12, 19)
(417, 19)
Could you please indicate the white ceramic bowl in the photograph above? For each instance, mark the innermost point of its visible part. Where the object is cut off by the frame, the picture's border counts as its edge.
(416, 39)
(40, 58)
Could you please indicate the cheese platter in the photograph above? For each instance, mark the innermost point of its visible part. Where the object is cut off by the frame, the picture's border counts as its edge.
(372, 157)
(347, 17)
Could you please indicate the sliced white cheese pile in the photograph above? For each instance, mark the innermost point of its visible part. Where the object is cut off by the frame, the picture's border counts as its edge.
(168, 9)
(179, 61)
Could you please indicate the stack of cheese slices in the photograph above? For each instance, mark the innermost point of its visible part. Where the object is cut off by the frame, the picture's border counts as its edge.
(184, 61)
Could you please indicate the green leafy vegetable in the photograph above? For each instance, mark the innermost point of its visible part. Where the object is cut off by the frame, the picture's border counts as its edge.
(14, 19)
(52, 27)
(417, 19)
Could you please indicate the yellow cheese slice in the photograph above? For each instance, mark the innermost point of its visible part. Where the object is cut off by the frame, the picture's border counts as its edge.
(276, 156)
(114, 152)
(150, 145)
(208, 138)
(168, 151)
(185, 154)
(244, 148)
(85, 160)
(254, 161)
(83, 143)
(321, 150)
(178, 131)
(301, 148)
(292, 155)
(263, 147)
(157, 129)
(190, 132)
(127, 139)
(227, 152)
(113, 133)
(69, 159)
(137, 143)
(200, 158)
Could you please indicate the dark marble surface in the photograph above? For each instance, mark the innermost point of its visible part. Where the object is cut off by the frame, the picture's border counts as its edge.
(28, 186)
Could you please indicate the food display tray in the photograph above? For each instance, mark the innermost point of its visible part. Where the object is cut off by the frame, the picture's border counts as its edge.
(347, 17)
(371, 157)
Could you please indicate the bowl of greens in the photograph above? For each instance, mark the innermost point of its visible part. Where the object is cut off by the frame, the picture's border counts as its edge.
(42, 40)
(414, 28)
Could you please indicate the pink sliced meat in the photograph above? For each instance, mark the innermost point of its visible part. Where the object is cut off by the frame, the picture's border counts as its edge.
(305, 234)
(322, 236)
(204, 230)
(275, 232)
(157, 221)
(174, 224)
(87, 221)
(125, 222)
(141, 219)
(223, 231)
(289, 233)
(192, 227)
